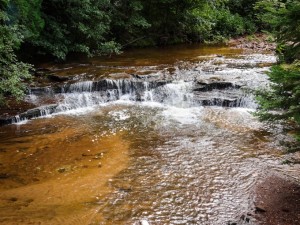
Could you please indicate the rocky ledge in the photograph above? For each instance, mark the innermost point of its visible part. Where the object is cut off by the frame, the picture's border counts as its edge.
(258, 43)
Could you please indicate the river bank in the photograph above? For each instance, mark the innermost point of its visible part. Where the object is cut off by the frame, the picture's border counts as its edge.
(258, 42)
(277, 196)
(277, 201)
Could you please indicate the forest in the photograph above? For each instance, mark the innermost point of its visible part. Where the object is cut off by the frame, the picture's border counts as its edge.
(150, 112)
(59, 28)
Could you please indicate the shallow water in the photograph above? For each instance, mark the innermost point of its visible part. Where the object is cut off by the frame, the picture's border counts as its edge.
(163, 160)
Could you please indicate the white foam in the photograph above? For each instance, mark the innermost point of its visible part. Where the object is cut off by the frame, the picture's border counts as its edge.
(77, 111)
(21, 122)
(182, 115)
(120, 115)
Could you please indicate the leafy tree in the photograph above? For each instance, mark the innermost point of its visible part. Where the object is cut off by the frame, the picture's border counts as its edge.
(281, 102)
(283, 96)
(12, 72)
(26, 14)
(242, 7)
(283, 19)
(215, 21)
(76, 26)
(245, 9)
(128, 25)
(170, 19)
(288, 30)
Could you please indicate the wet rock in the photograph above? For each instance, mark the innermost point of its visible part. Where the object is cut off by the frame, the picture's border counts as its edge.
(4, 175)
(245, 218)
(259, 209)
(231, 223)
(56, 78)
(259, 43)
(48, 90)
(41, 71)
(64, 169)
(13, 199)
(125, 190)
(5, 121)
(61, 170)
(40, 111)
(219, 102)
(139, 96)
(136, 76)
(214, 85)
(124, 86)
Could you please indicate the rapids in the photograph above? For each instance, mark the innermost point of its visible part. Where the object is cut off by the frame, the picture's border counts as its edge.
(152, 136)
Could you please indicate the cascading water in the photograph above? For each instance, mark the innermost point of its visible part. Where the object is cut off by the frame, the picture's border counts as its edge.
(176, 89)
(174, 145)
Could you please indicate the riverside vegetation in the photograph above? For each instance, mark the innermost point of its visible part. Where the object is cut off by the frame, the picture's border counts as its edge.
(58, 28)
(281, 101)
(169, 128)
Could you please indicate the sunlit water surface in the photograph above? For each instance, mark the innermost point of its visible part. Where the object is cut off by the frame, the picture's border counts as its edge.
(155, 161)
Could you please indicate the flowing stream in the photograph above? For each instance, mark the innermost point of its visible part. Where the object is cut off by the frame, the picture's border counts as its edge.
(149, 137)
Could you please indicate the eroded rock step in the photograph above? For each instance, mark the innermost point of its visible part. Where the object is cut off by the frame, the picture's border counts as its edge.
(223, 94)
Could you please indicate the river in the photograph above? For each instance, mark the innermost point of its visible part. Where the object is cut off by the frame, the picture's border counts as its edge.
(153, 136)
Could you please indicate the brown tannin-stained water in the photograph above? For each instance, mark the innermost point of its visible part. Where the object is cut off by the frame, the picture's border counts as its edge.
(148, 137)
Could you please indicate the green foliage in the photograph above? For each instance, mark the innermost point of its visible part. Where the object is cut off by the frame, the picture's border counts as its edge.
(228, 24)
(281, 102)
(60, 27)
(103, 27)
(12, 72)
(27, 15)
(75, 26)
(109, 48)
(242, 7)
(284, 95)
(289, 31)
(245, 9)
(267, 12)
(128, 25)
(171, 20)
(221, 20)
(283, 19)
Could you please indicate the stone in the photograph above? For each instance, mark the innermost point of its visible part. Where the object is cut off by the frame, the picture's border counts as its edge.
(4, 175)
(259, 209)
(215, 85)
(61, 170)
(57, 78)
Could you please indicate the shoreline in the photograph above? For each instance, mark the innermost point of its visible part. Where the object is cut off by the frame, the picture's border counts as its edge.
(258, 42)
(277, 201)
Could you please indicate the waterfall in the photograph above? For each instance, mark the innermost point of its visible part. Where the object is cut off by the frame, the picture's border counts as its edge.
(176, 93)
(215, 82)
